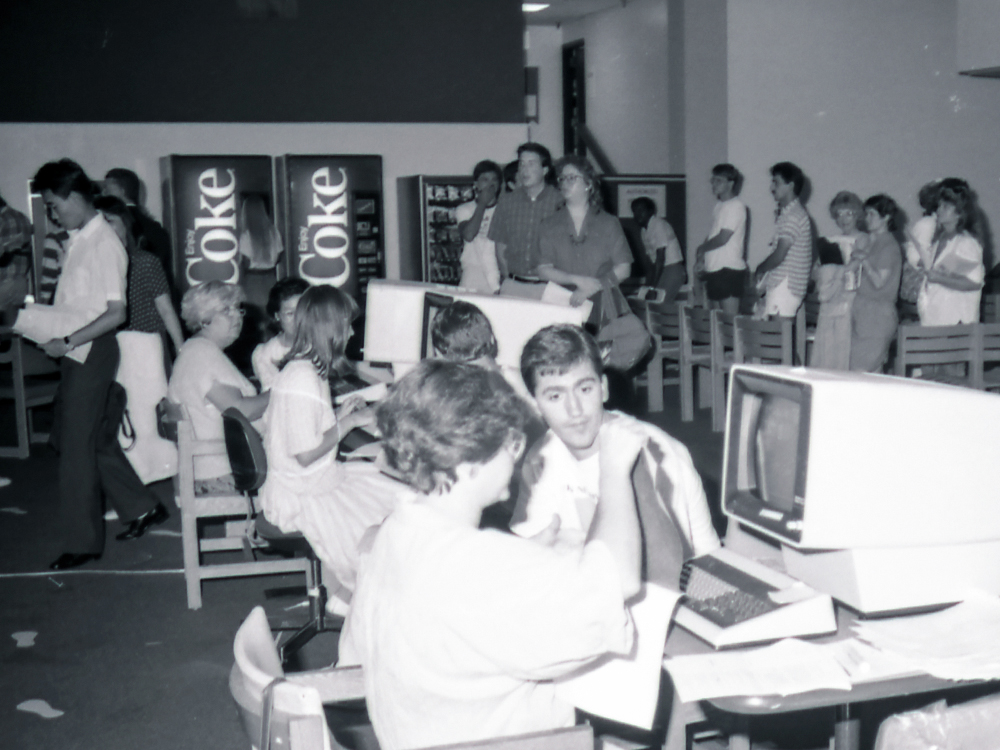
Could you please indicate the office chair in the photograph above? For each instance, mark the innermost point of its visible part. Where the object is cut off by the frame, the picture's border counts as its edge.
(248, 462)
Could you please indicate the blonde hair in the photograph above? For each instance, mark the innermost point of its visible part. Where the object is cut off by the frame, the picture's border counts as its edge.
(203, 302)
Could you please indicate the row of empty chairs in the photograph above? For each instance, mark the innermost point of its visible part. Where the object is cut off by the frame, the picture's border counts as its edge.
(702, 344)
(695, 343)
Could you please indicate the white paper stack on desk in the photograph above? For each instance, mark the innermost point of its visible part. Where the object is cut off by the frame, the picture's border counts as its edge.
(958, 643)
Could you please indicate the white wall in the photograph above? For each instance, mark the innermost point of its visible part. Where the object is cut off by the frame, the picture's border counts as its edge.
(406, 149)
(627, 84)
(978, 34)
(864, 95)
(545, 52)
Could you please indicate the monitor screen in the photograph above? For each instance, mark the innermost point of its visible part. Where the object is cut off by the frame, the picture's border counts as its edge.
(767, 451)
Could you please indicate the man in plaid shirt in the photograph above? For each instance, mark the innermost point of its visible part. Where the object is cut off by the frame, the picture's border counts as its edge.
(15, 252)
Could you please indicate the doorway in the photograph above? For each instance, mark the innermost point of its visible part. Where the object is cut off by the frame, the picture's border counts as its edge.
(574, 75)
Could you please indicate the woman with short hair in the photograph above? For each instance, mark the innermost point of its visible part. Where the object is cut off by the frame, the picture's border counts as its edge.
(873, 314)
(462, 631)
(582, 246)
(206, 382)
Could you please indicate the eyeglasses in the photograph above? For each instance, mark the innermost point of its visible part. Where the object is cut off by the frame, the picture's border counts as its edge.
(568, 179)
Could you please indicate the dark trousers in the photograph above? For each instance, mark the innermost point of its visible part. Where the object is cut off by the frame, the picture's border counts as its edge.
(89, 460)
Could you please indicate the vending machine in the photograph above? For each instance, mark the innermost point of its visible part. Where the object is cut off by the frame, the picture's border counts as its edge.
(430, 246)
(333, 220)
(222, 224)
(210, 201)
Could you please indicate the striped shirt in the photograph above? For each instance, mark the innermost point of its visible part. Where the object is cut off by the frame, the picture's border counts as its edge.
(793, 224)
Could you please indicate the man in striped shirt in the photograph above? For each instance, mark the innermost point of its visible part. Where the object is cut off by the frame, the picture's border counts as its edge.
(785, 272)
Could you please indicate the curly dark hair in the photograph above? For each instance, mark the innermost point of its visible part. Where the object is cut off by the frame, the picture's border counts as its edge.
(443, 414)
(585, 168)
(885, 207)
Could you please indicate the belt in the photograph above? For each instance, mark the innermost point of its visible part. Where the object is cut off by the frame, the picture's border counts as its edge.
(526, 279)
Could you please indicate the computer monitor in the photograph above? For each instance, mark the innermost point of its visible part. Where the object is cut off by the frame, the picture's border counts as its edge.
(395, 313)
(881, 491)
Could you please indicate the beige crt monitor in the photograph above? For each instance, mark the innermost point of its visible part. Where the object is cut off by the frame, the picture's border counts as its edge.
(881, 491)
(394, 320)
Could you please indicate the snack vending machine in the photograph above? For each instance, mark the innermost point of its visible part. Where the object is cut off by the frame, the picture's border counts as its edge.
(333, 225)
(430, 247)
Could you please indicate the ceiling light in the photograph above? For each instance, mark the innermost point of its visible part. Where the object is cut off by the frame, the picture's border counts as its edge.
(533, 7)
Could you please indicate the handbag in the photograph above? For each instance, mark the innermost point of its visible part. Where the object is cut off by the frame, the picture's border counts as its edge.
(116, 415)
(910, 283)
(622, 337)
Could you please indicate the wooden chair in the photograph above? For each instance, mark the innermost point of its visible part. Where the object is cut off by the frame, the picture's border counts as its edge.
(805, 327)
(27, 392)
(929, 347)
(286, 711)
(195, 509)
(989, 308)
(763, 341)
(723, 356)
(695, 354)
(989, 356)
(664, 325)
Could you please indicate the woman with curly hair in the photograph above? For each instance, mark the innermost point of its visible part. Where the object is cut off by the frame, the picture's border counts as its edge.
(879, 266)
(582, 246)
(206, 382)
(461, 631)
(307, 489)
(954, 279)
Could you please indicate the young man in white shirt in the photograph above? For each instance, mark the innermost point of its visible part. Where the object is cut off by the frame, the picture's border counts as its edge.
(92, 284)
(721, 258)
(562, 480)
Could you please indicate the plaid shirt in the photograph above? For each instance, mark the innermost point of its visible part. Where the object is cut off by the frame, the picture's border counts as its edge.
(516, 224)
(15, 231)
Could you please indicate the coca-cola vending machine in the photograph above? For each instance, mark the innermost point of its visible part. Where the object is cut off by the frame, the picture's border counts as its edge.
(221, 210)
(333, 227)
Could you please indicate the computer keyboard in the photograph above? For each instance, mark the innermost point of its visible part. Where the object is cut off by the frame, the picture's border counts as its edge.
(730, 600)
(722, 593)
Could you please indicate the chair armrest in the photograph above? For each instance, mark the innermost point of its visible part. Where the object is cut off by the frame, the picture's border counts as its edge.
(334, 685)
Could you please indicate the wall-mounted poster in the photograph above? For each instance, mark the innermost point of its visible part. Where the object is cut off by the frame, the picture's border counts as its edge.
(628, 192)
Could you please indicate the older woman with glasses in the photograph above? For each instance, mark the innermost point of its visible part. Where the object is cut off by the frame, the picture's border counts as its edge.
(582, 246)
(205, 381)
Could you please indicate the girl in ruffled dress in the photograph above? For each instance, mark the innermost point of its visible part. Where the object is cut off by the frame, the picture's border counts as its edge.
(307, 489)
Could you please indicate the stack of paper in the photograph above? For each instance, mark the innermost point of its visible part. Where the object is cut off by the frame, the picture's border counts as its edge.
(784, 668)
(959, 643)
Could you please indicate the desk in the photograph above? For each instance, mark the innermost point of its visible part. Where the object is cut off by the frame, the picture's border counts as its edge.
(846, 733)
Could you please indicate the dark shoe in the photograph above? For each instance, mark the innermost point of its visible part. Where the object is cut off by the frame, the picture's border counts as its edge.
(139, 526)
(69, 560)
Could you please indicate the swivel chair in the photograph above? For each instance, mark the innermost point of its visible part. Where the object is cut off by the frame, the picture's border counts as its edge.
(248, 462)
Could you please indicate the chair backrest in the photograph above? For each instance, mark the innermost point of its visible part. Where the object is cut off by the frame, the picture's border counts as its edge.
(664, 321)
(723, 337)
(989, 308)
(989, 341)
(288, 713)
(245, 448)
(697, 325)
(763, 341)
(918, 345)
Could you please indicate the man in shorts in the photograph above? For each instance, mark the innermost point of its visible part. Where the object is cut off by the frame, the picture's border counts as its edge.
(784, 274)
(721, 258)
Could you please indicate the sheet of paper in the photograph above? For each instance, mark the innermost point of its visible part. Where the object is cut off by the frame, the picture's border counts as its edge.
(627, 690)
(555, 294)
(958, 643)
(41, 323)
(786, 667)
